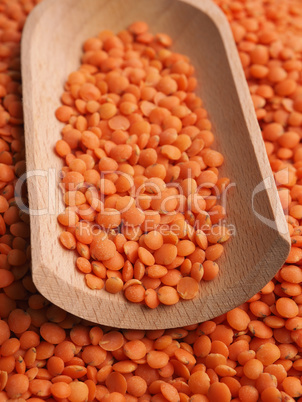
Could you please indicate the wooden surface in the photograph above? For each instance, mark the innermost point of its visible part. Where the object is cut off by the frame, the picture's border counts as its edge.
(51, 47)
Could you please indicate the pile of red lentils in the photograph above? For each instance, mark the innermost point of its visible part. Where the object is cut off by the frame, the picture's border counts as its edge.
(140, 178)
(250, 354)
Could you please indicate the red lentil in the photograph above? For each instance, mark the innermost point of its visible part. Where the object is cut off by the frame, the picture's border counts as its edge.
(46, 354)
(147, 143)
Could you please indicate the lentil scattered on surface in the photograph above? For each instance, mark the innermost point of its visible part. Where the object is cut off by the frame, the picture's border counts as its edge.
(252, 353)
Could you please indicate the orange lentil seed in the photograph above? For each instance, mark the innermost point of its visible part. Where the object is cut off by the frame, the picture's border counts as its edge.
(46, 354)
(108, 144)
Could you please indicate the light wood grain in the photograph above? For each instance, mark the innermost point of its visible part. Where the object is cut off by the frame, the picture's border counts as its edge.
(51, 47)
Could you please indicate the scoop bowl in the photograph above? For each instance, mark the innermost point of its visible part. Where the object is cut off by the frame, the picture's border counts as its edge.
(51, 49)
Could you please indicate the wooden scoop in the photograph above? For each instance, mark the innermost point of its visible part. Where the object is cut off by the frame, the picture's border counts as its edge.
(51, 49)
